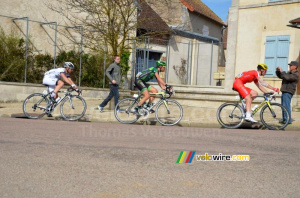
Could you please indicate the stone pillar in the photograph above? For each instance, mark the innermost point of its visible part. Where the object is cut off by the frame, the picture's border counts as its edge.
(231, 44)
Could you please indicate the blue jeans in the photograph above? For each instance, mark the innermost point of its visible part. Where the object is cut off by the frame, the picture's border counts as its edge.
(114, 92)
(286, 102)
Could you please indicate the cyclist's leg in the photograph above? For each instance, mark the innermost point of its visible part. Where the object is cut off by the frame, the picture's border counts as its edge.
(51, 83)
(142, 86)
(152, 90)
(146, 95)
(59, 85)
(249, 99)
(248, 94)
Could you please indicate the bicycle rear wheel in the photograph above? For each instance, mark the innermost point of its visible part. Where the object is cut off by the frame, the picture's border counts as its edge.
(124, 111)
(73, 108)
(230, 116)
(168, 112)
(272, 117)
(35, 105)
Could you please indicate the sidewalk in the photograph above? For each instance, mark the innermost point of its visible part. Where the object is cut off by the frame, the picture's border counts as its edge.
(192, 116)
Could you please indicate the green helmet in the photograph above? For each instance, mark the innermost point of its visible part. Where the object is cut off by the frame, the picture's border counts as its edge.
(160, 63)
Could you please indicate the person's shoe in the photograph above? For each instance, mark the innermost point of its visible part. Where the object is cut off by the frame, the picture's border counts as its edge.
(250, 119)
(100, 108)
(136, 110)
(151, 111)
(282, 121)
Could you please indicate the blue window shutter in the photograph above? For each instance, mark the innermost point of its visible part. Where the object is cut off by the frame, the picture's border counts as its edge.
(283, 51)
(270, 57)
(277, 53)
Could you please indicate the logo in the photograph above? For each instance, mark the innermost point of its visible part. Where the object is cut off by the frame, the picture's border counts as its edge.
(206, 157)
(188, 159)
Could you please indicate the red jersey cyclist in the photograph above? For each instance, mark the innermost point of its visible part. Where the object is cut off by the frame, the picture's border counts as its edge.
(248, 94)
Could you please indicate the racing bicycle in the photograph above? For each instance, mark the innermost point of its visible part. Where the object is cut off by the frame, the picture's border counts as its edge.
(72, 107)
(167, 112)
(232, 115)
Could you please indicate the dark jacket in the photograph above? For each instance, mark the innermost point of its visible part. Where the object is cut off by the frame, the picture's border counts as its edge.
(289, 81)
(113, 72)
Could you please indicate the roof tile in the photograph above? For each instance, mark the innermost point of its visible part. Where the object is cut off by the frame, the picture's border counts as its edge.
(297, 20)
(150, 20)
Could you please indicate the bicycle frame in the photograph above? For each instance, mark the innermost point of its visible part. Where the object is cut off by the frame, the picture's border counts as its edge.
(162, 97)
(67, 94)
(263, 103)
(266, 101)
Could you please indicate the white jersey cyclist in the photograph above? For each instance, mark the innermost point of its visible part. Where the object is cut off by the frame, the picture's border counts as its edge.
(53, 78)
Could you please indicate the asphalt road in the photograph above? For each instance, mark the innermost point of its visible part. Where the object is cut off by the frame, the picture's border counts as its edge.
(48, 158)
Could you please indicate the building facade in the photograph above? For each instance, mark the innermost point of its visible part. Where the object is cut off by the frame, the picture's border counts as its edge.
(259, 33)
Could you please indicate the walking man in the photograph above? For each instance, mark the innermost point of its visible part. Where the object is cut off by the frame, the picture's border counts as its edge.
(113, 72)
(288, 86)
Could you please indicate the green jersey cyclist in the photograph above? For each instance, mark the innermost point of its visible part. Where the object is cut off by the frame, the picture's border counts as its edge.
(141, 83)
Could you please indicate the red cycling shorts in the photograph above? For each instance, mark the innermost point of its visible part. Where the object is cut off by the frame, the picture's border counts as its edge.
(240, 87)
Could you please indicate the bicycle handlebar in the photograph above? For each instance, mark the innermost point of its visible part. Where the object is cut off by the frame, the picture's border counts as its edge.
(169, 90)
(70, 89)
(270, 95)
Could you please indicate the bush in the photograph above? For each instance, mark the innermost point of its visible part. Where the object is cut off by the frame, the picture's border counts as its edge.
(12, 60)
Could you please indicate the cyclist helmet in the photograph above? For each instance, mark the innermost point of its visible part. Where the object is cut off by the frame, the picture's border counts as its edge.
(262, 66)
(160, 63)
(69, 64)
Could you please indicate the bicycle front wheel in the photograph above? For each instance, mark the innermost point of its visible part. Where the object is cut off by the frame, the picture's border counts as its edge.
(124, 111)
(230, 116)
(168, 112)
(73, 108)
(35, 105)
(272, 117)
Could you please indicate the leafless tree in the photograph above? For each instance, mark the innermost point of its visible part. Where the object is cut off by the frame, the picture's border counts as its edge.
(107, 23)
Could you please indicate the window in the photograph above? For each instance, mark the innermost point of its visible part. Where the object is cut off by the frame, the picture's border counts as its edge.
(277, 53)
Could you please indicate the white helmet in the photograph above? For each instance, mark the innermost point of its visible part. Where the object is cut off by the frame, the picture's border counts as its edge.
(69, 64)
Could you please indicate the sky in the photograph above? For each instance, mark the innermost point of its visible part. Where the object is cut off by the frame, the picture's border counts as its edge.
(220, 7)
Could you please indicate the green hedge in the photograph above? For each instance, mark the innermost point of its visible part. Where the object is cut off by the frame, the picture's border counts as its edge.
(12, 61)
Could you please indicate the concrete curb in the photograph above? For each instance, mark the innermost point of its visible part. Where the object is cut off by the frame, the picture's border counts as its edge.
(204, 117)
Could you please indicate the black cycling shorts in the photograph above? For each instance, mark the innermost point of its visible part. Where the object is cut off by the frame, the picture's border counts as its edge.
(141, 85)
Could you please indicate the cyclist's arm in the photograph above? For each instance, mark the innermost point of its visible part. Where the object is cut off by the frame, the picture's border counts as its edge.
(160, 81)
(261, 87)
(261, 82)
(68, 80)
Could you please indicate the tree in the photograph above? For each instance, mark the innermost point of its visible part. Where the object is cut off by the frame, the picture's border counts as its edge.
(108, 24)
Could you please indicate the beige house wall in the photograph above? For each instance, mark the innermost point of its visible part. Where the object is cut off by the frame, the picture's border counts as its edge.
(205, 27)
(37, 11)
(42, 38)
(177, 15)
(255, 21)
(174, 13)
(191, 62)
